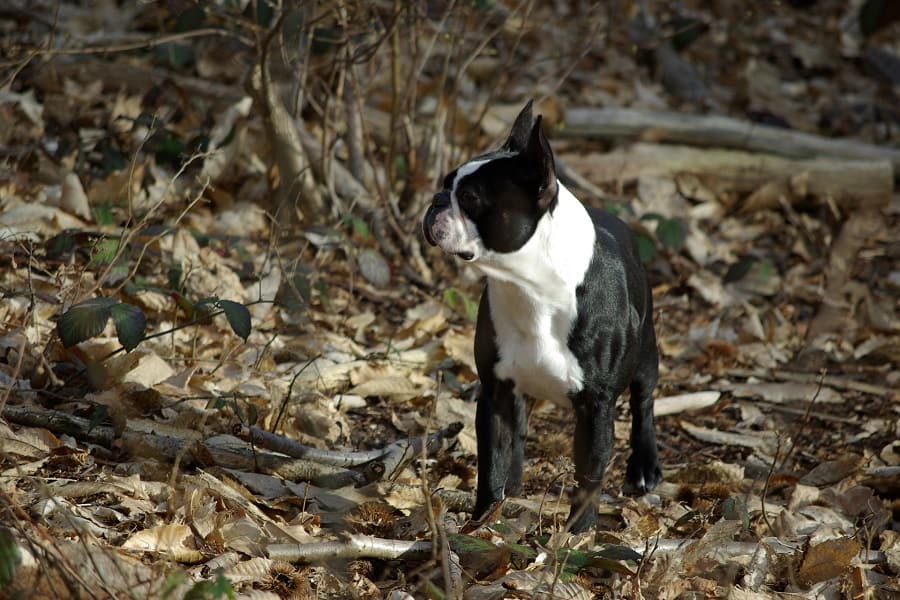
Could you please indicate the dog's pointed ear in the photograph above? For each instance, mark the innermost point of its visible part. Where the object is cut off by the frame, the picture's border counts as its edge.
(521, 130)
(540, 159)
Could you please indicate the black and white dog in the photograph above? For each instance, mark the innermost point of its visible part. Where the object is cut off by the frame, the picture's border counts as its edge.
(566, 316)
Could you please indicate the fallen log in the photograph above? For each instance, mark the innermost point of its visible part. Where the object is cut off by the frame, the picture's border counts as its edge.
(718, 131)
(326, 469)
(849, 183)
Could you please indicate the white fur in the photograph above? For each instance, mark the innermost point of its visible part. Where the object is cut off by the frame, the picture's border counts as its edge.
(533, 303)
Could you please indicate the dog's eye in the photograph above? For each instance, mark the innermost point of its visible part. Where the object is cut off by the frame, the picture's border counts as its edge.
(467, 200)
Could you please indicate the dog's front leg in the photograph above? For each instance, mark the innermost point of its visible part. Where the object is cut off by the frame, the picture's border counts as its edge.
(500, 427)
(594, 418)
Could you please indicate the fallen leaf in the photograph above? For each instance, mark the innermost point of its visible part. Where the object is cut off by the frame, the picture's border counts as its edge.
(827, 559)
(175, 540)
(832, 471)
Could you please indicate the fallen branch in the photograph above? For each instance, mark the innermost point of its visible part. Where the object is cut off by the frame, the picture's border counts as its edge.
(846, 182)
(391, 457)
(718, 131)
(279, 443)
(355, 547)
(233, 453)
(60, 422)
(363, 546)
(834, 381)
(324, 468)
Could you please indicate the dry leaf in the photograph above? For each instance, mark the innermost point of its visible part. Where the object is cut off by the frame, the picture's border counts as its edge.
(827, 559)
(174, 540)
(832, 471)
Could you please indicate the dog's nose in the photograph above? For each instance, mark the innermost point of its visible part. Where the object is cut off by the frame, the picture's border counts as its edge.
(441, 199)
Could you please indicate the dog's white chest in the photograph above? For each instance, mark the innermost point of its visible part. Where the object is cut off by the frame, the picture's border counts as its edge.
(532, 343)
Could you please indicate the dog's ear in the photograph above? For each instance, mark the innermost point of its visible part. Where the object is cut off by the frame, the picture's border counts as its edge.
(521, 130)
(540, 161)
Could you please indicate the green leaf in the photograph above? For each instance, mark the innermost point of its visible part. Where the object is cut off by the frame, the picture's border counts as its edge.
(221, 588)
(203, 309)
(739, 270)
(61, 244)
(573, 559)
(401, 167)
(360, 227)
(471, 307)
(520, 555)
(619, 552)
(10, 557)
(735, 509)
(83, 321)
(646, 248)
(461, 302)
(672, 233)
(613, 208)
(130, 325)
(104, 251)
(103, 214)
(185, 304)
(461, 543)
(210, 590)
(215, 403)
(238, 317)
(651, 216)
(766, 269)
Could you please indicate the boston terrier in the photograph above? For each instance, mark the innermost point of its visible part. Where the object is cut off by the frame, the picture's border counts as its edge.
(566, 316)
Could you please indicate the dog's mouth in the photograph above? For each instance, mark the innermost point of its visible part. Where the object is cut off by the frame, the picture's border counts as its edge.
(426, 230)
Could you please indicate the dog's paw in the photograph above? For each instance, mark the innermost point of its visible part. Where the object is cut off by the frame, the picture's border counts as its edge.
(643, 472)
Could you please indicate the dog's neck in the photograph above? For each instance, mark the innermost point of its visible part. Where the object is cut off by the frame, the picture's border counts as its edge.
(553, 262)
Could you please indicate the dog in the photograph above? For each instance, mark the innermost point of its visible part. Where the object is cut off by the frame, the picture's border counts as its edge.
(566, 316)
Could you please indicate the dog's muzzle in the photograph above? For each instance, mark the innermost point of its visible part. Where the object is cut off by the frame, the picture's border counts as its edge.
(441, 201)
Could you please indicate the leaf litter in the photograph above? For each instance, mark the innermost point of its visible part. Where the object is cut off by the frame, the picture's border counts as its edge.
(203, 399)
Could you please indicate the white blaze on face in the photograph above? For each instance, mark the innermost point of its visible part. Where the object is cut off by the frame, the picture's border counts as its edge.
(453, 231)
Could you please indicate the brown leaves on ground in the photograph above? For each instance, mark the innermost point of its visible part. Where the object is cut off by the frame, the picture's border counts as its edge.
(328, 451)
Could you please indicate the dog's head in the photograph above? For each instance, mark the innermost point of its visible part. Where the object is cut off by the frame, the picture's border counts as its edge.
(493, 203)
